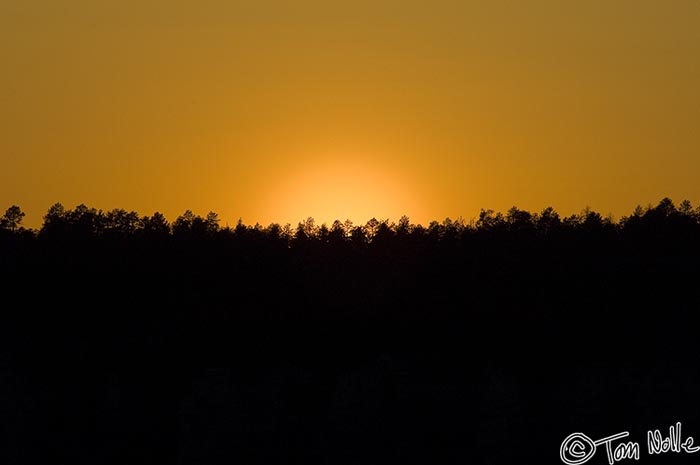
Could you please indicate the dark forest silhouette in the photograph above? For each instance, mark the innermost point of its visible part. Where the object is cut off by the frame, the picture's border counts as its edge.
(129, 339)
(88, 223)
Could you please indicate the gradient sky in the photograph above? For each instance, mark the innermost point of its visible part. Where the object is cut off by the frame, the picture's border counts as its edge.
(275, 110)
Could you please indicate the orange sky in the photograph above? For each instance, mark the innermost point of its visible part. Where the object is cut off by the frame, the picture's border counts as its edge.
(275, 110)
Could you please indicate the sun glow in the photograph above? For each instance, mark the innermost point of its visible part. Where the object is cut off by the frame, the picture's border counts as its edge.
(343, 187)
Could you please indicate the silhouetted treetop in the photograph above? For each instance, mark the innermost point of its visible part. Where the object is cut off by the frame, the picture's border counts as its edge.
(654, 222)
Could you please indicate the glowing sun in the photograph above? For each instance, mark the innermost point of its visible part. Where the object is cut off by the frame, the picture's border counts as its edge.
(340, 188)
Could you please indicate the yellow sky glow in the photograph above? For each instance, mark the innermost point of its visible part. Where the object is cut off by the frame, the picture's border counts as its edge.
(276, 110)
(341, 184)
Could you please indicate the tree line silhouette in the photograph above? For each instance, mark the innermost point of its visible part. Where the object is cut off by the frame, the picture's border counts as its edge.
(84, 222)
(130, 339)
